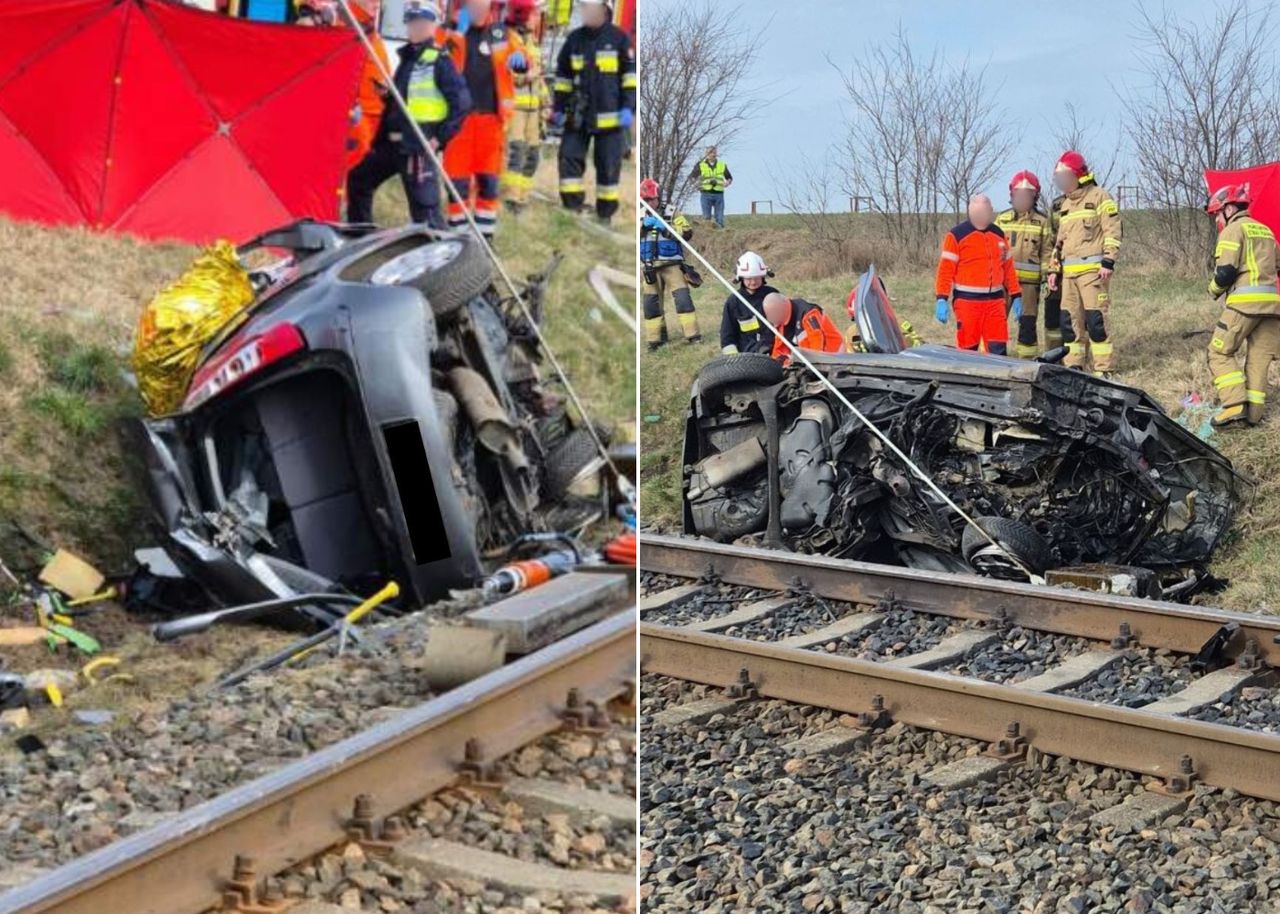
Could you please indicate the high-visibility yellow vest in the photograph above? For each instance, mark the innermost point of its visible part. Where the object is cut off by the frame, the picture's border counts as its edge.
(712, 176)
(427, 104)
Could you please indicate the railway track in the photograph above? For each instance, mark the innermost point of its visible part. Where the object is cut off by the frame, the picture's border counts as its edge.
(1181, 694)
(368, 791)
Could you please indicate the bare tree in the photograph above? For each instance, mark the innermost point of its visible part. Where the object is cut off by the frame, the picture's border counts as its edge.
(1210, 99)
(1071, 130)
(922, 136)
(696, 87)
(805, 191)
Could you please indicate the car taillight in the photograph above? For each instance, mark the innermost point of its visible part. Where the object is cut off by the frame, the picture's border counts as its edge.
(241, 360)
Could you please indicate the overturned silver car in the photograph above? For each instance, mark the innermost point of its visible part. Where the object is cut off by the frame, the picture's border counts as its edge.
(1061, 468)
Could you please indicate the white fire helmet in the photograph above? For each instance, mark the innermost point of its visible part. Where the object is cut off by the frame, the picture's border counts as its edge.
(751, 265)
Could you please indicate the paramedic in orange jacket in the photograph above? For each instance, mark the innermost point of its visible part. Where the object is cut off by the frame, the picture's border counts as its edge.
(975, 270)
(366, 115)
(802, 323)
(486, 54)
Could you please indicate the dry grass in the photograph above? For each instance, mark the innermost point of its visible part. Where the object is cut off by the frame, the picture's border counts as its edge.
(67, 313)
(1153, 310)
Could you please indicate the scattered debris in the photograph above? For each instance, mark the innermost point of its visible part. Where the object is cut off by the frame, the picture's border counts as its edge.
(72, 575)
(600, 278)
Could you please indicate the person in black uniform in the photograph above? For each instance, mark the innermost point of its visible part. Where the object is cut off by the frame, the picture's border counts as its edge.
(740, 330)
(437, 97)
(594, 105)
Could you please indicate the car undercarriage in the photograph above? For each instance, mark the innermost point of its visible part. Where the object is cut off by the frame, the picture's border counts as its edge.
(1057, 468)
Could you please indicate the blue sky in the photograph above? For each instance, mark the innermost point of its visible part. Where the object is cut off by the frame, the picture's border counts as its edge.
(1018, 42)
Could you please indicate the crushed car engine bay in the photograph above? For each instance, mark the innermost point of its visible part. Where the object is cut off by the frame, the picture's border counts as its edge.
(1062, 469)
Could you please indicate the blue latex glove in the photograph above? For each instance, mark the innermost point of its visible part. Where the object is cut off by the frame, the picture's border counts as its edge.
(626, 118)
(1015, 307)
(941, 311)
(517, 62)
(557, 118)
(651, 222)
(464, 19)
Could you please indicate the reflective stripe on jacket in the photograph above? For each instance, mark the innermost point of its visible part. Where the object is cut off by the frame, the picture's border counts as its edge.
(531, 88)
(740, 330)
(809, 328)
(712, 176)
(1030, 239)
(596, 72)
(1088, 223)
(427, 104)
(975, 263)
(502, 43)
(1245, 267)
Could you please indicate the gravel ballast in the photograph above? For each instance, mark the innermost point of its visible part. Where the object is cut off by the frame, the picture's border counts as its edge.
(1137, 679)
(731, 823)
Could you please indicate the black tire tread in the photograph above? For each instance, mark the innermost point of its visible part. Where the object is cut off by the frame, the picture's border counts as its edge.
(744, 368)
(567, 459)
(458, 281)
(1028, 546)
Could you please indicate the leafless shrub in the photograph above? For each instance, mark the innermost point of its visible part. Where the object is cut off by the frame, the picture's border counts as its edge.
(696, 88)
(1209, 99)
(922, 136)
(1072, 130)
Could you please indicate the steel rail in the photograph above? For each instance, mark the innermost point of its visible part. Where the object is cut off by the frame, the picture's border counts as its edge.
(1132, 739)
(1084, 614)
(280, 819)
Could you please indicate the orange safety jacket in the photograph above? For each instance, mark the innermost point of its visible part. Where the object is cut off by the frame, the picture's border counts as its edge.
(503, 42)
(807, 328)
(371, 101)
(976, 263)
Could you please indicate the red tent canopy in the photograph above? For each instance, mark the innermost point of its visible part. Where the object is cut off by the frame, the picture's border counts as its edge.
(166, 122)
(1264, 185)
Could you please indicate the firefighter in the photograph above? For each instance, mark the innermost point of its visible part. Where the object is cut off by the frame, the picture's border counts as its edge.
(803, 323)
(1245, 271)
(976, 270)
(594, 105)
(1030, 238)
(1088, 241)
(489, 55)
(664, 269)
(437, 99)
(524, 131)
(740, 330)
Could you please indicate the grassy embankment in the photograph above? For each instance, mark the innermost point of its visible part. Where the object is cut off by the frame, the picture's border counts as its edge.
(1153, 308)
(68, 307)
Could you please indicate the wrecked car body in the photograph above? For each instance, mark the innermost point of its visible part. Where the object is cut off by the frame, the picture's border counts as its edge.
(378, 416)
(1059, 467)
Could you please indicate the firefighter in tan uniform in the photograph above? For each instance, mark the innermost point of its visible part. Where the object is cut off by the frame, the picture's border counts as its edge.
(1030, 238)
(1245, 271)
(1085, 251)
(532, 101)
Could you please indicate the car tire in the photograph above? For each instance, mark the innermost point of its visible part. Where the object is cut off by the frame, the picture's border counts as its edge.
(1026, 545)
(745, 368)
(568, 459)
(457, 280)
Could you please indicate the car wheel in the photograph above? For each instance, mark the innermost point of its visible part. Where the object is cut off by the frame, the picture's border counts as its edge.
(461, 273)
(746, 368)
(1017, 539)
(569, 460)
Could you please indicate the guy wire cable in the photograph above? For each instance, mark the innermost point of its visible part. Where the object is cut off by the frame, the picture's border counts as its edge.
(798, 354)
(624, 486)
